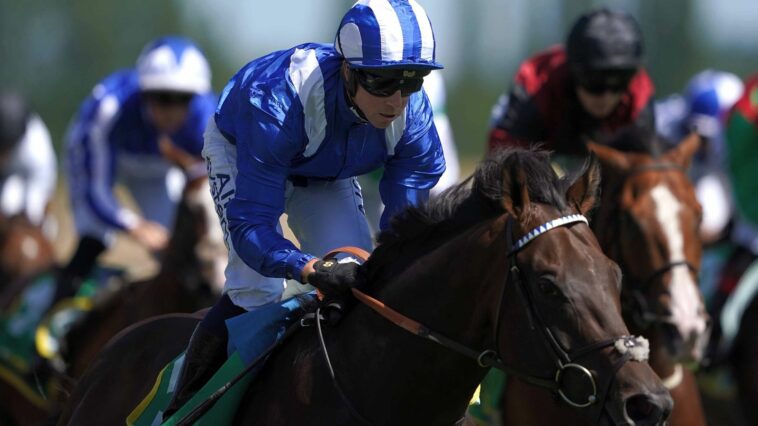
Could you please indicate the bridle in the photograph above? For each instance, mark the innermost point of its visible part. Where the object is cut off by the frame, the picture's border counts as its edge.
(564, 360)
(637, 306)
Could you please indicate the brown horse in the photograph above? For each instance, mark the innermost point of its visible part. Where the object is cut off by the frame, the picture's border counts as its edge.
(24, 252)
(506, 264)
(648, 223)
(187, 281)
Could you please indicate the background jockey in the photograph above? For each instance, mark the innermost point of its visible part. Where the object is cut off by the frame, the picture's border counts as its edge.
(590, 89)
(28, 168)
(742, 154)
(117, 136)
(292, 131)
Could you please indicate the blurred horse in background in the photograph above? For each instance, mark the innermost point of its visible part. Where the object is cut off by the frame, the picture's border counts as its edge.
(648, 223)
(190, 278)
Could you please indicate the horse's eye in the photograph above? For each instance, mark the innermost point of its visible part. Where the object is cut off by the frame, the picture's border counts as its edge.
(548, 288)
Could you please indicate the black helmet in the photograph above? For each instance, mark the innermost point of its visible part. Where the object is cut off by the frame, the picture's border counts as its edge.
(605, 40)
(14, 114)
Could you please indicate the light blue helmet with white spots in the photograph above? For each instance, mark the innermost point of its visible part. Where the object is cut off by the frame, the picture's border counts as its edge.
(173, 64)
(387, 34)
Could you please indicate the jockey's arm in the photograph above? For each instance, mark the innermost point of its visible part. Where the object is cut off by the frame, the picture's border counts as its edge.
(515, 120)
(94, 158)
(415, 168)
(264, 152)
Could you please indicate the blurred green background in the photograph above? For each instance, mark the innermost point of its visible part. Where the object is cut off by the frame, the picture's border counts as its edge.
(56, 51)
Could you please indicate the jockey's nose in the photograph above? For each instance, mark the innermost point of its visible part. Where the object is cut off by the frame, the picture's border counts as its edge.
(396, 99)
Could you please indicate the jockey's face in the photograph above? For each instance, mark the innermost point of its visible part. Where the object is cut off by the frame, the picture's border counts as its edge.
(598, 105)
(380, 111)
(600, 91)
(167, 110)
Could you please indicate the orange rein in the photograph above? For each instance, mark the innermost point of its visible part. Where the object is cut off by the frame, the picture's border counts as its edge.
(379, 307)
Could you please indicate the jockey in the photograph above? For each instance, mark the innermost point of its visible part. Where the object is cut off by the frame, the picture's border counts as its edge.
(563, 97)
(119, 134)
(742, 153)
(28, 168)
(291, 132)
(703, 108)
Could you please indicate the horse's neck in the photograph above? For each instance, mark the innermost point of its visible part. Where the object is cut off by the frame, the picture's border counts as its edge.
(380, 358)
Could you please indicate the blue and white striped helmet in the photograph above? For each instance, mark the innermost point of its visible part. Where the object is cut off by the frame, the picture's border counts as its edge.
(387, 34)
(174, 64)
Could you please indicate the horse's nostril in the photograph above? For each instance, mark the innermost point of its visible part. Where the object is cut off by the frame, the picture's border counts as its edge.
(648, 409)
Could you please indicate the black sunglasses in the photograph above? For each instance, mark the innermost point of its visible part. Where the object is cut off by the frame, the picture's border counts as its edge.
(384, 83)
(598, 83)
(168, 98)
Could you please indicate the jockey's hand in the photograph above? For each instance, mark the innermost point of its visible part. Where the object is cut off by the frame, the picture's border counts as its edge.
(334, 278)
(151, 235)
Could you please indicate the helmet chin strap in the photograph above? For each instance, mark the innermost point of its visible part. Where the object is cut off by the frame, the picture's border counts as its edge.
(351, 88)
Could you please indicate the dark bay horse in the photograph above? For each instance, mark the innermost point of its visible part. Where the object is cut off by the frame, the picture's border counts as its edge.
(188, 280)
(506, 263)
(648, 223)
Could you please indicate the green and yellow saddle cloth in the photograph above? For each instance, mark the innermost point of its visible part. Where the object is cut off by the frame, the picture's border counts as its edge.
(30, 327)
(250, 336)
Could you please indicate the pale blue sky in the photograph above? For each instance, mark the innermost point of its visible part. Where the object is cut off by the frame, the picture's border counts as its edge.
(488, 35)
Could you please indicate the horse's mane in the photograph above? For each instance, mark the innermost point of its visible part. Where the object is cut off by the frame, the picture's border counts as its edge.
(639, 139)
(477, 198)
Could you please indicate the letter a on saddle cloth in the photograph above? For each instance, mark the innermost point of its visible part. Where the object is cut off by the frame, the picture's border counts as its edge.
(250, 334)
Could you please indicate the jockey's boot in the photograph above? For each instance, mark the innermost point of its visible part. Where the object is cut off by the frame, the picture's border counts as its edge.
(78, 268)
(205, 353)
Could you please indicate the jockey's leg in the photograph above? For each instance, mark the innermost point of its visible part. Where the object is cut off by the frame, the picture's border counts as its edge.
(325, 215)
(78, 268)
(244, 289)
(158, 192)
(205, 353)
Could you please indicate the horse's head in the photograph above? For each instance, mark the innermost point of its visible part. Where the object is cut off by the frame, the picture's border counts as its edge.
(648, 223)
(516, 269)
(560, 305)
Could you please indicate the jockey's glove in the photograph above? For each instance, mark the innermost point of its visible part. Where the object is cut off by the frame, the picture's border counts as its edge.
(334, 278)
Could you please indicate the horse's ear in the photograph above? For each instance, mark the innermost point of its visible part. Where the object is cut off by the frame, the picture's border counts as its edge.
(515, 191)
(613, 160)
(583, 193)
(682, 154)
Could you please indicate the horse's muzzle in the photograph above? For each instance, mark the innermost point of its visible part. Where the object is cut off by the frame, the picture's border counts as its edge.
(649, 409)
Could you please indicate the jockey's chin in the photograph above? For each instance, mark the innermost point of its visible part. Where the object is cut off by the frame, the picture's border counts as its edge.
(598, 105)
